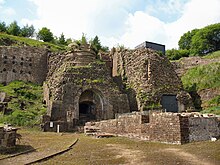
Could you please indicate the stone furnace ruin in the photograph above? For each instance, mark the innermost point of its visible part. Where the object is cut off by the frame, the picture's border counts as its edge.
(81, 86)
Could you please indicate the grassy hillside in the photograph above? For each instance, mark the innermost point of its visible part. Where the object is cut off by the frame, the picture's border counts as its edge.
(10, 40)
(212, 55)
(202, 77)
(205, 77)
(25, 104)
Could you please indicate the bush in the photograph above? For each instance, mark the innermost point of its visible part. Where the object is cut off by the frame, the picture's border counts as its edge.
(175, 54)
(26, 103)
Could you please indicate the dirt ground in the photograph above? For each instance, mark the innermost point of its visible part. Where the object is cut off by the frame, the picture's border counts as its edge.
(116, 150)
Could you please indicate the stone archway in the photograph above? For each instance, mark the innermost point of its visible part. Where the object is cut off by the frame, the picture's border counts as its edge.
(90, 106)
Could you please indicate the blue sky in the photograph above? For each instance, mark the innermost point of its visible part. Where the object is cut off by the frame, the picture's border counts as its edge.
(127, 22)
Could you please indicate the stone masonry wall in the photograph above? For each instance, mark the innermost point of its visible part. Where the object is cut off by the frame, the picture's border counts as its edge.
(79, 72)
(161, 127)
(203, 128)
(23, 63)
(147, 76)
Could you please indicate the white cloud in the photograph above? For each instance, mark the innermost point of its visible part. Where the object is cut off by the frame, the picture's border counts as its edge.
(2, 2)
(114, 22)
(5, 12)
(142, 27)
(75, 17)
(196, 14)
(8, 11)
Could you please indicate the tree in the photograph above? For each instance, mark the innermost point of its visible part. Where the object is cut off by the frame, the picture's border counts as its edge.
(68, 41)
(83, 39)
(96, 44)
(3, 27)
(27, 31)
(206, 40)
(13, 29)
(186, 39)
(45, 34)
(62, 40)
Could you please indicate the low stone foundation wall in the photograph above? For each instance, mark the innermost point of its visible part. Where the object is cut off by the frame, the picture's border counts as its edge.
(173, 128)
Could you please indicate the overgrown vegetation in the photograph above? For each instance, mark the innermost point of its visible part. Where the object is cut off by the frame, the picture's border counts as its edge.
(25, 105)
(10, 40)
(204, 77)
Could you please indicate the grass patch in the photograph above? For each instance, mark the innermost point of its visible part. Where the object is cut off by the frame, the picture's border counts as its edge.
(25, 103)
(117, 150)
(10, 40)
(202, 77)
(212, 55)
(213, 110)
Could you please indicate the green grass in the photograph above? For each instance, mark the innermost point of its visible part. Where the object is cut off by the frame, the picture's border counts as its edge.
(116, 150)
(26, 103)
(20, 41)
(212, 55)
(202, 77)
(213, 110)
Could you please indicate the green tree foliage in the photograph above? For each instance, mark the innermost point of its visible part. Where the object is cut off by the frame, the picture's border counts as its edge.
(45, 34)
(84, 39)
(197, 42)
(13, 29)
(174, 54)
(3, 27)
(206, 40)
(68, 41)
(186, 39)
(62, 40)
(105, 48)
(27, 31)
(96, 44)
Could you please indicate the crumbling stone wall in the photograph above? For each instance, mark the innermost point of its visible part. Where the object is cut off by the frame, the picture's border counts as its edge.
(147, 76)
(161, 127)
(23, 63)
(79, 72)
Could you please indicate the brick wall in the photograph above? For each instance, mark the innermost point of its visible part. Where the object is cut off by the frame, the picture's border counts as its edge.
(162, 127)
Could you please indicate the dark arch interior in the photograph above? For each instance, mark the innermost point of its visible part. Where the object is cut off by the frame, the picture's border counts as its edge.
(86, 112)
